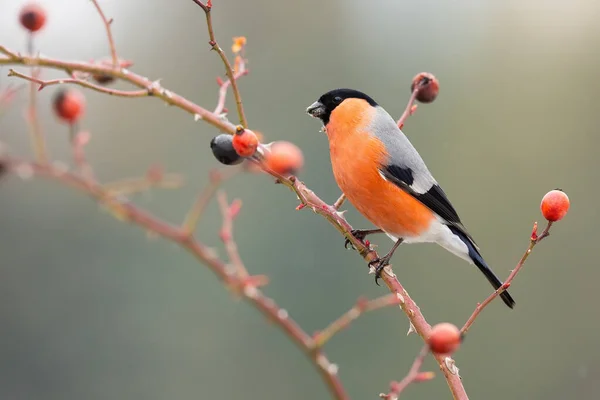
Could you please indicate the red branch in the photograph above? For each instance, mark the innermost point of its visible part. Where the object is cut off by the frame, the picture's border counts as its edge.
(224, 85)
(248, 286)
(111, 42)
(215, 46)
(80, 82)
(535, 239)
(414, 375)
(362, 306)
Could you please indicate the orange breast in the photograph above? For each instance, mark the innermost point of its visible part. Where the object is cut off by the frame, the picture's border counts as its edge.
(355, 157)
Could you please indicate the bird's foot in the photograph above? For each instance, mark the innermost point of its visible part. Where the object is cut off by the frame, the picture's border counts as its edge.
(379, 264)
(360, 234)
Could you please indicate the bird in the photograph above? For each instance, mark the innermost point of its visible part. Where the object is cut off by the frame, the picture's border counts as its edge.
(383, 176)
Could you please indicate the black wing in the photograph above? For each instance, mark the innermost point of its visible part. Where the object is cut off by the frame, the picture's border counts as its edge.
(435, 199)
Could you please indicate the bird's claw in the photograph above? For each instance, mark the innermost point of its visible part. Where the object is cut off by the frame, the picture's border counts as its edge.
(379, 264)
(359, 234)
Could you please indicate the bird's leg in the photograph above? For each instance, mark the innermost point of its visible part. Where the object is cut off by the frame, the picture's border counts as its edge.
(380, 263)
(361, 234)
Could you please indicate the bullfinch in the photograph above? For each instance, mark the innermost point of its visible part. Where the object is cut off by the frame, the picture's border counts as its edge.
(385, 178)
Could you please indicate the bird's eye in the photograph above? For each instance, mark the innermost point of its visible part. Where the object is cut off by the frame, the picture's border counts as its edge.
(337, 99)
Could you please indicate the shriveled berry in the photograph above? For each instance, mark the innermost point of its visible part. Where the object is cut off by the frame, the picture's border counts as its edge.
(555, 205)
(32, 17)
(103, 79)
(245, 142)
(444, 338)
(69, 105)
(222, 149)
(427, 85)
(284, 158)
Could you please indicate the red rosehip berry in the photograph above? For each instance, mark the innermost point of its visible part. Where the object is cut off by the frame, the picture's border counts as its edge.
(427, 85)
(245, 142)
(555, 205)
(32, 17)
(444, 338)
(69, 105)
(222, 149)
(284, 158)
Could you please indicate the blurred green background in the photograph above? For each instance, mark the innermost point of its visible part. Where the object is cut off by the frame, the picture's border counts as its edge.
(92, 309)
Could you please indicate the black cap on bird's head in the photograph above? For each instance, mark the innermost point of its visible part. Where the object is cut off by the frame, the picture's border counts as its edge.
(323, 107)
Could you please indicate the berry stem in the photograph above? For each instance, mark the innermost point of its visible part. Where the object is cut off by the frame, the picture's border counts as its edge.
(38, 142)
(409, 110)
(535, 239)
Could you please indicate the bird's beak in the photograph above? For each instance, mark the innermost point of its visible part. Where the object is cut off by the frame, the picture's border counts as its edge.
(316, 109)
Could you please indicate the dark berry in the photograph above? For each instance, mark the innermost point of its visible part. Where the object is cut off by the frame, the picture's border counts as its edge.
(222, 149)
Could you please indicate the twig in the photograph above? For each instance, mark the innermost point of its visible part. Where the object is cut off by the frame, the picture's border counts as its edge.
(414, 375)
(80, 140)
(228, 70)
(224, 85)
(217, 177)
(251, 293)
(229, 212)
(38, 142)
(339, 202)
(410, 107)
(81, 82)
(111, 42)
(153, 88)
(535, 239)
(138, 185)
(362, 306)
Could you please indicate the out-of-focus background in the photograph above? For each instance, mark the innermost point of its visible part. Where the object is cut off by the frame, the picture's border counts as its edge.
(92, 309)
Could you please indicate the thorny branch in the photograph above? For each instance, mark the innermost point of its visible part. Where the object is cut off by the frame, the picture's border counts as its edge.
(228, 70)
(111, 42)
(247, 286)
(81, 82)
(535, 239)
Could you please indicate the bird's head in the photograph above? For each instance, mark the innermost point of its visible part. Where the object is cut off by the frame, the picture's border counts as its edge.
(333, 99)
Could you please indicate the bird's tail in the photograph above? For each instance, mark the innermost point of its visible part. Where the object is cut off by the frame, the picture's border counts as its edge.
(483, 267)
